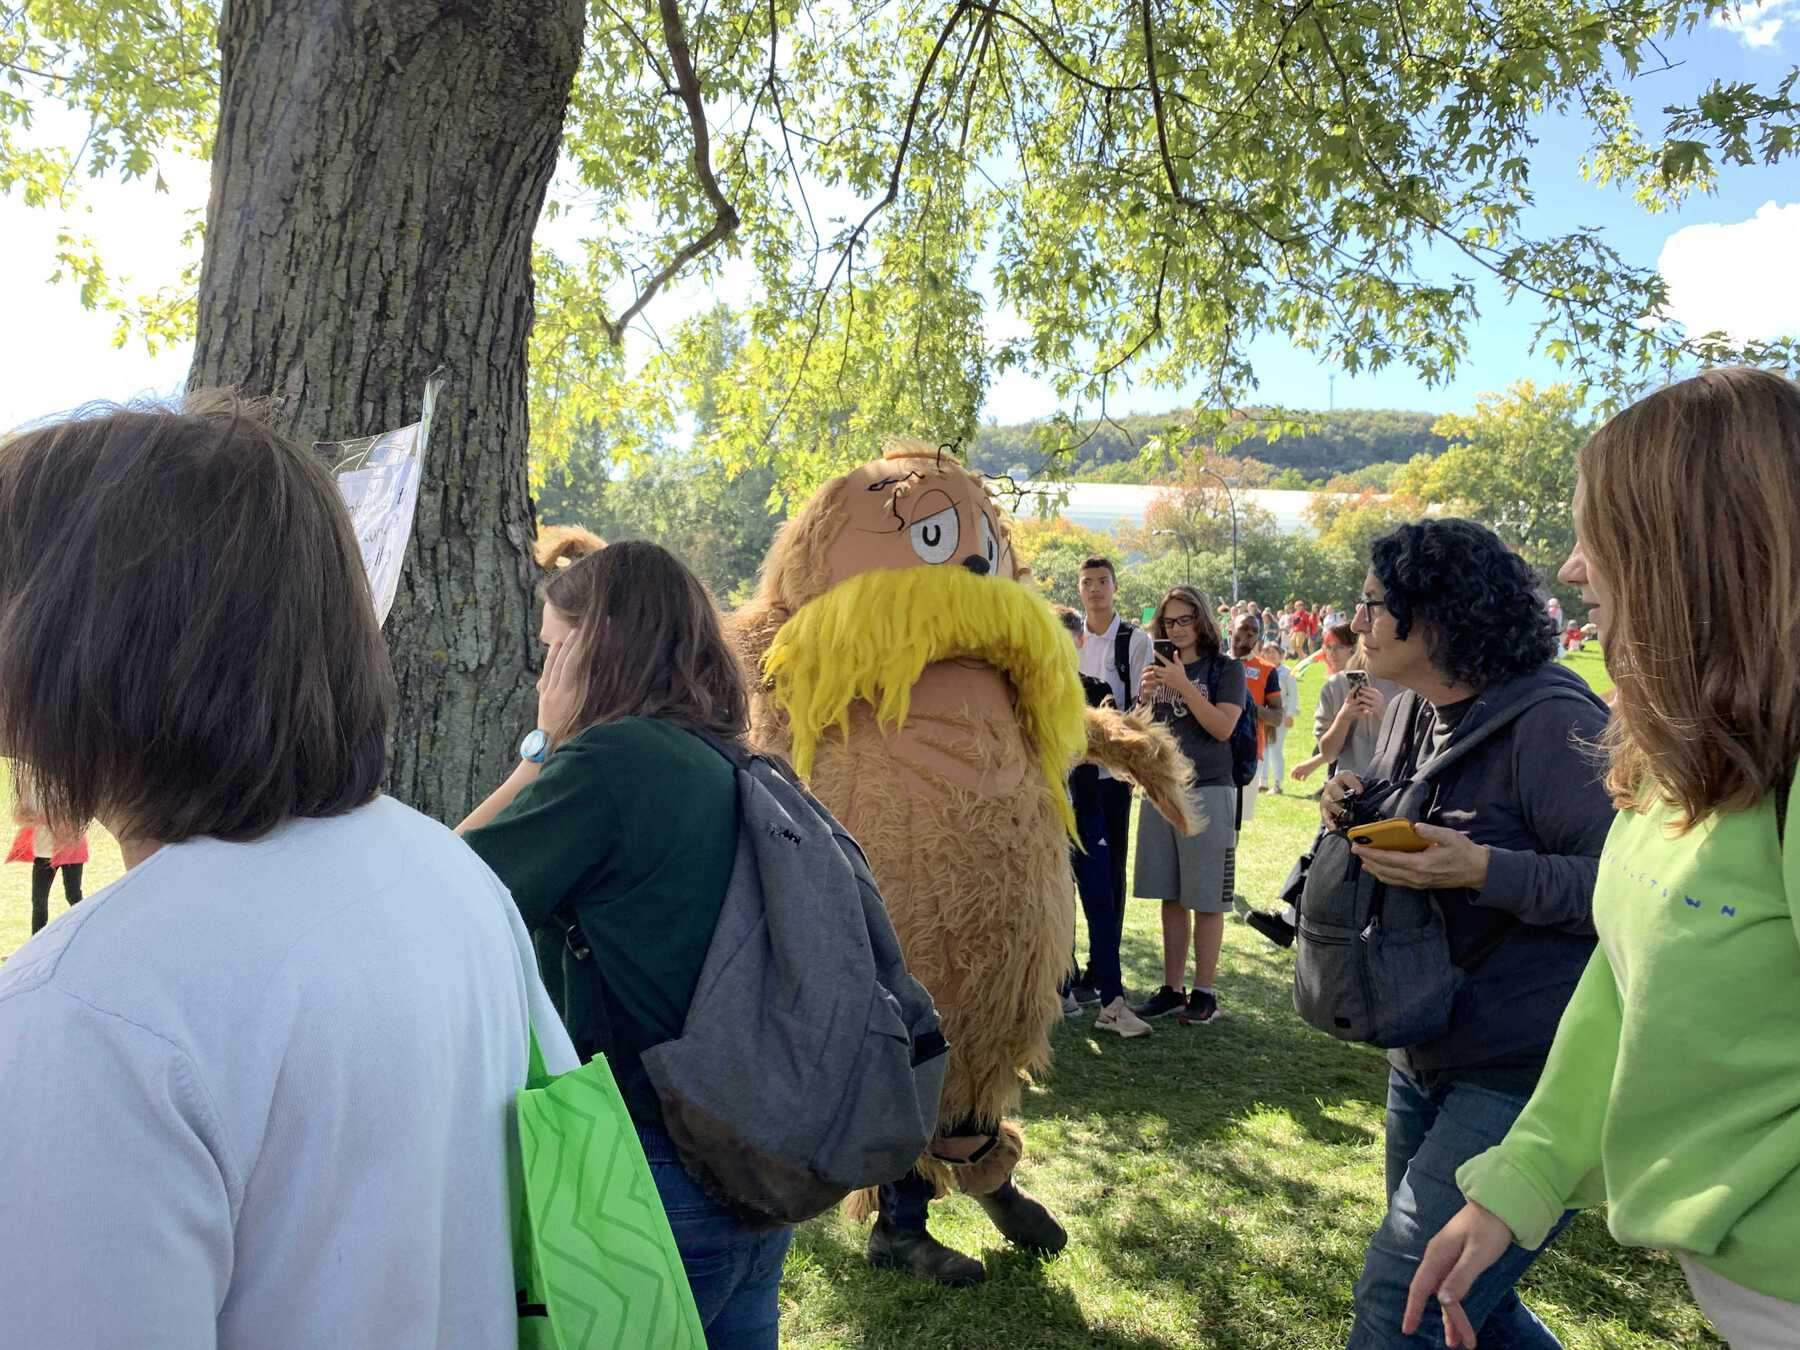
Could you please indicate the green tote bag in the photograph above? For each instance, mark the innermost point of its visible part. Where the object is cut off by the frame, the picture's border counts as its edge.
(593, 1256)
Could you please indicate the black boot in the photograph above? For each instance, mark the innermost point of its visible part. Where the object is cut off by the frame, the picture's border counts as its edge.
(1023, 1221)
(899, 1240)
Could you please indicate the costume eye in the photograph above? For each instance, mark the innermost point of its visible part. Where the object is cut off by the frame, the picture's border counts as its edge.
(934, 538)
(990, 545)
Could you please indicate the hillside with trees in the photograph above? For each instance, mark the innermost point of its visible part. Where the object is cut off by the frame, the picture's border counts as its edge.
(1311, 448)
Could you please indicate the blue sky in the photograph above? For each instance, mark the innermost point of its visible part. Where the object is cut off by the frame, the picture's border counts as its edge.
(1727, 269)
(1732, 261)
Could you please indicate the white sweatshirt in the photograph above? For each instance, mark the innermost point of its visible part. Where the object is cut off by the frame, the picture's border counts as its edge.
(259, 1095)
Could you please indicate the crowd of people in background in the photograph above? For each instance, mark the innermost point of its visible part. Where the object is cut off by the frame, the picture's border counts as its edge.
(283, 1046)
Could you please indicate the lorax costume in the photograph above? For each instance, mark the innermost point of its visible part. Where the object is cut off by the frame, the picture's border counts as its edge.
(933, 702)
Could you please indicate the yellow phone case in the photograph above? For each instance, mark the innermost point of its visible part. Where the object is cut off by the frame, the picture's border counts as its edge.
(1393, 836)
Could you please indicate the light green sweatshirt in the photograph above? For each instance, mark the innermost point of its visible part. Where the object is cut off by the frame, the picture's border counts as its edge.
(1673, 1089)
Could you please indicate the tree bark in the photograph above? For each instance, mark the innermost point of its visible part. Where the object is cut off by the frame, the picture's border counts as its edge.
(379, 169)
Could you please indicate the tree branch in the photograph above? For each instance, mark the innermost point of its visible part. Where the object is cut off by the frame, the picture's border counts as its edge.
(1162, 126)
(846, 255)
(725, 216)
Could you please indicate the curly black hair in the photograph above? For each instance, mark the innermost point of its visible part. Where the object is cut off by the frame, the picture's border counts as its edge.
(1480, 603)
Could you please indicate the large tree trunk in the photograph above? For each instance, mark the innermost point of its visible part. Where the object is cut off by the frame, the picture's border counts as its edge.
(379, 168)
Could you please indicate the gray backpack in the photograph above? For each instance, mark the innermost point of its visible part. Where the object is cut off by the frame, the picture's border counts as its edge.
(811, 1061)
(1372, 961)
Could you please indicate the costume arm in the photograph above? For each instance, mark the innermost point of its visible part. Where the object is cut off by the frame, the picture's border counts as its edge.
(1133, 746)
(751, 630)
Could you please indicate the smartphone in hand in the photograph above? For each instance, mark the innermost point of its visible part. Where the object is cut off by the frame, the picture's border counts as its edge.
(1164, 647)
(1393, 836)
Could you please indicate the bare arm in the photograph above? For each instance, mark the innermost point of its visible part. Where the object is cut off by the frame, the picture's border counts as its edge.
(1307, 768)
(559, 693)
(1270, 713)
(1331, 744)
(1216, 720)
(501, 797)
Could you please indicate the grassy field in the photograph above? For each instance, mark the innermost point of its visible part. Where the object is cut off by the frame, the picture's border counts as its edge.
(1218, 1182)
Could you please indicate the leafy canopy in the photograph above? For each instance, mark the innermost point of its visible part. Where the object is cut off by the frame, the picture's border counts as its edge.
(1146, 187)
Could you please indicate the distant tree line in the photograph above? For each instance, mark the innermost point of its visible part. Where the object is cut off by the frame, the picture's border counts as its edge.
(1315, 448)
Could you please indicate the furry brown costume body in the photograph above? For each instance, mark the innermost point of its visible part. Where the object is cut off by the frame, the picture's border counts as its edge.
(964, 826)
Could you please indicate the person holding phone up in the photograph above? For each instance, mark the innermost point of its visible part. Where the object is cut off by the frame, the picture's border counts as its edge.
(1197, 691)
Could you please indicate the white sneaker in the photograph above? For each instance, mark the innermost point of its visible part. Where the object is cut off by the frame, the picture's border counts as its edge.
(1071, 1007)
(1117, 1017)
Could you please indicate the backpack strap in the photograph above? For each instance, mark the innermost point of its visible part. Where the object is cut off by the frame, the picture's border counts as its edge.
(1400, 724)
(1783, 790)
(1122, 654)
(740, 756)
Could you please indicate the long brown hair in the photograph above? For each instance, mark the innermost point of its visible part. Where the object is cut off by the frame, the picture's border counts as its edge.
(187, 645)
(1206, 632)
(651, 642)
(1690, 513)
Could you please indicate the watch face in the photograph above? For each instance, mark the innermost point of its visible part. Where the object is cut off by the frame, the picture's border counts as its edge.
(534, 745)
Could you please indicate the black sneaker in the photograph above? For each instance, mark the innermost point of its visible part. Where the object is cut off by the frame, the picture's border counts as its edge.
(1201, 1008)
(1272, 926)
(1085, 993)
(1163, 1002)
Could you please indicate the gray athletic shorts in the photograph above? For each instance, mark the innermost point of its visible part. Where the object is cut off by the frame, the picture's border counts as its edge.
(1191, 870)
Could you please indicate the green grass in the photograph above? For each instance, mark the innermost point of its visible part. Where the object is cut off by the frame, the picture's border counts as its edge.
(1219, 1183)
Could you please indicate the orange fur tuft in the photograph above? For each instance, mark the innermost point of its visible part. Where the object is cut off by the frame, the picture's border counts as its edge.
(559, 545)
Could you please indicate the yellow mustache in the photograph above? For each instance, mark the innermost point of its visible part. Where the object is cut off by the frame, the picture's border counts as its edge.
(869, 639)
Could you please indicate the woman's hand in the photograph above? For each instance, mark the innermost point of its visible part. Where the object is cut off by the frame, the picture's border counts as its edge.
(1333, 795)
(559, 687)
(1370, 702)
(1149, 683)
(1175, 677)
(1453, 861)
(1455, 1259)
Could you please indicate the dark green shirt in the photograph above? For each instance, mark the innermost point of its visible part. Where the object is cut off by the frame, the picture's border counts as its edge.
(632, 825)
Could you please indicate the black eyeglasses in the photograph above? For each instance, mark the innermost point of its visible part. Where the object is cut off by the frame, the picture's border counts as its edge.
(1371, 605)
(1179, 621)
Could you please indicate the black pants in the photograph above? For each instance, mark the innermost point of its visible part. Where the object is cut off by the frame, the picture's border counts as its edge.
(42, 874)
(906, 1202)
(1099, 873)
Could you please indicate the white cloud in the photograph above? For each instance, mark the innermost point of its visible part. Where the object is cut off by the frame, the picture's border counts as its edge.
(1759, 22)
(1739, 279)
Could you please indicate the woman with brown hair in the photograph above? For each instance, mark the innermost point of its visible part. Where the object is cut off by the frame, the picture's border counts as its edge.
(257, 1090)
(617, 833)
(1672, 1093)
(1197, 691)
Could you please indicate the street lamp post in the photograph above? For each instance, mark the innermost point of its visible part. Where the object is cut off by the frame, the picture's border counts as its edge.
(1187, 554)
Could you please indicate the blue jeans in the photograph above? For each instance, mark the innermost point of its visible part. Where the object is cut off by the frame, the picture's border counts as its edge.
(1430, 1133)
(733, 1269)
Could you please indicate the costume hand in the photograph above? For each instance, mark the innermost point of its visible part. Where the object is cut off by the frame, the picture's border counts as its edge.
(1331, 798)
(1455, 1259)
(559, 691)
(1454, 860)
